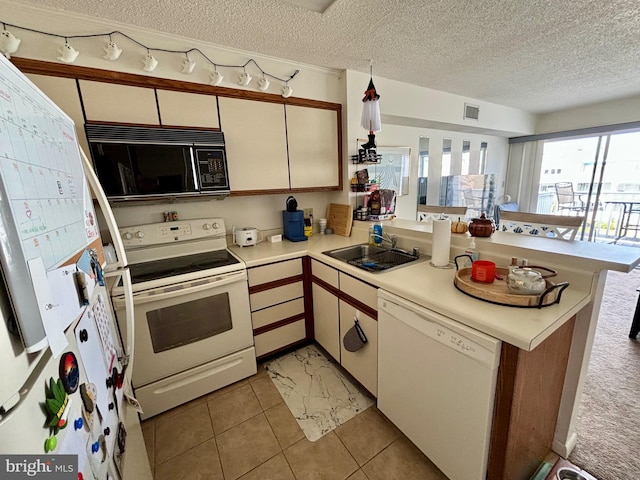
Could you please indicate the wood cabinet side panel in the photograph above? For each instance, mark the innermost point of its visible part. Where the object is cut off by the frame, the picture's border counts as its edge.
(537, 390)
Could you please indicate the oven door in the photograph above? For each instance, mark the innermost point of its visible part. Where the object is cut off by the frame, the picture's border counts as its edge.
(184, 325)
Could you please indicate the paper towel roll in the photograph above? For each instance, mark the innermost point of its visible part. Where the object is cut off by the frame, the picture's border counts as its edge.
(440, 242)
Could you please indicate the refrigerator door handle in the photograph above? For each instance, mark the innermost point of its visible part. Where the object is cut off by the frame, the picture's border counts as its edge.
(110, 220)
(125, 274)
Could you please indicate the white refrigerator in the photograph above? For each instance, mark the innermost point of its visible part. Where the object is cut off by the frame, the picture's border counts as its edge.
(65, 375)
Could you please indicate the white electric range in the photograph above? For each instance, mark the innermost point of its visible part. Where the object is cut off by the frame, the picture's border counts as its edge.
(192, 320)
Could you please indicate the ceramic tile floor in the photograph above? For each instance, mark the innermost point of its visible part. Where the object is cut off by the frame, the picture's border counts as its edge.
(245, 431)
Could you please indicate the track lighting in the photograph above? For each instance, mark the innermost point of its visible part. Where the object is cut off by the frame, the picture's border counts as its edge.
(286, 90)
(8, 43)
(68, 54)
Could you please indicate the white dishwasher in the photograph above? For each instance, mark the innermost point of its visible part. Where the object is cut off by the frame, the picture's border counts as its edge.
(436, 383)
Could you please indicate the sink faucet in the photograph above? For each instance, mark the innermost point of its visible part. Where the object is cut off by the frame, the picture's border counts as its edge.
(385, 237)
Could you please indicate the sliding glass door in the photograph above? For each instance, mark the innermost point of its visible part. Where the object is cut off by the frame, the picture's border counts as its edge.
(602, 173)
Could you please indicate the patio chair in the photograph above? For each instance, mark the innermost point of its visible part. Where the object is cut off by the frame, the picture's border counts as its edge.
(551, 226)
(504, 207)
(567, 199)
(426, 213)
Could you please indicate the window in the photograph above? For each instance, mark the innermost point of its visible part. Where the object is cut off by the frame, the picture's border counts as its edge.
(446, 157)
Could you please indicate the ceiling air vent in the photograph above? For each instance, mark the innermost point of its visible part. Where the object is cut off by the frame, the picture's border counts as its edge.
(471, 112)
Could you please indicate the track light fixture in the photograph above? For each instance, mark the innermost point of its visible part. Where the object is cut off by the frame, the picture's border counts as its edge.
(286, 90)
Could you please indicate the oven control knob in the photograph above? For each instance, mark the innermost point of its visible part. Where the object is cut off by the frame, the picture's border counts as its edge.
(139, 234)
(215, 225)
(206, 226)
(127, 235)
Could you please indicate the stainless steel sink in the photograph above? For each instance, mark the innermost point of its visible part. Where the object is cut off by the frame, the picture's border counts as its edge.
(372, 258)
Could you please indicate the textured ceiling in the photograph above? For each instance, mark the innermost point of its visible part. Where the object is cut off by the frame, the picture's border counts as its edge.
(536, 55)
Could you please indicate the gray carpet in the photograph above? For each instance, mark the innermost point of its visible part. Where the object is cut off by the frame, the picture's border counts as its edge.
(609, 417)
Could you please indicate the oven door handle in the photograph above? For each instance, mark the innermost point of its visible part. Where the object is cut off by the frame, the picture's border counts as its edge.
(192, 286)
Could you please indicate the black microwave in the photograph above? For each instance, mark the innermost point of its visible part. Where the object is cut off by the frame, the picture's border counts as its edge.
(137, 163)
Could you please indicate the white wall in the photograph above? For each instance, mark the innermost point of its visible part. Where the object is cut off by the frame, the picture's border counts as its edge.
(401, 101)
(605, 113)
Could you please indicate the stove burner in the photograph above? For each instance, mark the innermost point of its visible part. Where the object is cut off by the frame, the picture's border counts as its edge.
(170, 267)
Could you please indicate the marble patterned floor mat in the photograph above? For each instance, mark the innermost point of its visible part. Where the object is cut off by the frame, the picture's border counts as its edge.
(320, 397)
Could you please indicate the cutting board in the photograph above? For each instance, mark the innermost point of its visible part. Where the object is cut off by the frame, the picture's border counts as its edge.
(340, 218)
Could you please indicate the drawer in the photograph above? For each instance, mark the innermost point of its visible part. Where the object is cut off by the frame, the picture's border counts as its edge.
(269, 315)
(274, 296)
(280, 337)
(274, 271)
(325, 273)
(361, 291)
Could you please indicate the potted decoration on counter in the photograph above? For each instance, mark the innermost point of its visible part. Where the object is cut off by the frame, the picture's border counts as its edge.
(482, 227)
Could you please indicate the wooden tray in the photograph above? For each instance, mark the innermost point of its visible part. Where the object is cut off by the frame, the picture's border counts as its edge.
(498, 292)
(340, 218)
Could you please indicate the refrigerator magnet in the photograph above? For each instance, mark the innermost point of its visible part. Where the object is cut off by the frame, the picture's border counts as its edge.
(69, 372)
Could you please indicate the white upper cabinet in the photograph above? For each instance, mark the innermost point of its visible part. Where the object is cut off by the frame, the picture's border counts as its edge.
(313, 147)
(187, 109)
(108, 102)
(64, 93)
(256, 144)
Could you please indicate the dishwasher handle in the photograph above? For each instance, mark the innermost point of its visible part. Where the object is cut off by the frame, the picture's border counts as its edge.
(437, 328)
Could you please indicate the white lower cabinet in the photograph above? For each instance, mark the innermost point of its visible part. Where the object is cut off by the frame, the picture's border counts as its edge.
(326, 320)
(363, 363)
(334, 311)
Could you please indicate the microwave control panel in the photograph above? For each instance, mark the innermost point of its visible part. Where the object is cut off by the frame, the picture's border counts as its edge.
(212, 167)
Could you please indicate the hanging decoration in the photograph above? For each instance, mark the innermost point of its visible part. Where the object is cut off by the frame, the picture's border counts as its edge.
(188, 65)
(9, 44)
(111, 50)
(150, 62)
(216, 77)
(370, 119)
(68, 54)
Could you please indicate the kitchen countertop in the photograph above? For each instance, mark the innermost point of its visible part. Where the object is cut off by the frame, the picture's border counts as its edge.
(433, 288)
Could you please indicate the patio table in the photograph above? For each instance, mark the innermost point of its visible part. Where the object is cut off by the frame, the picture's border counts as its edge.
(628, 209)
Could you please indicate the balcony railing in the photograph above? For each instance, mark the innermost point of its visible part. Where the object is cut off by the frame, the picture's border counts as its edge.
(612, 224)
